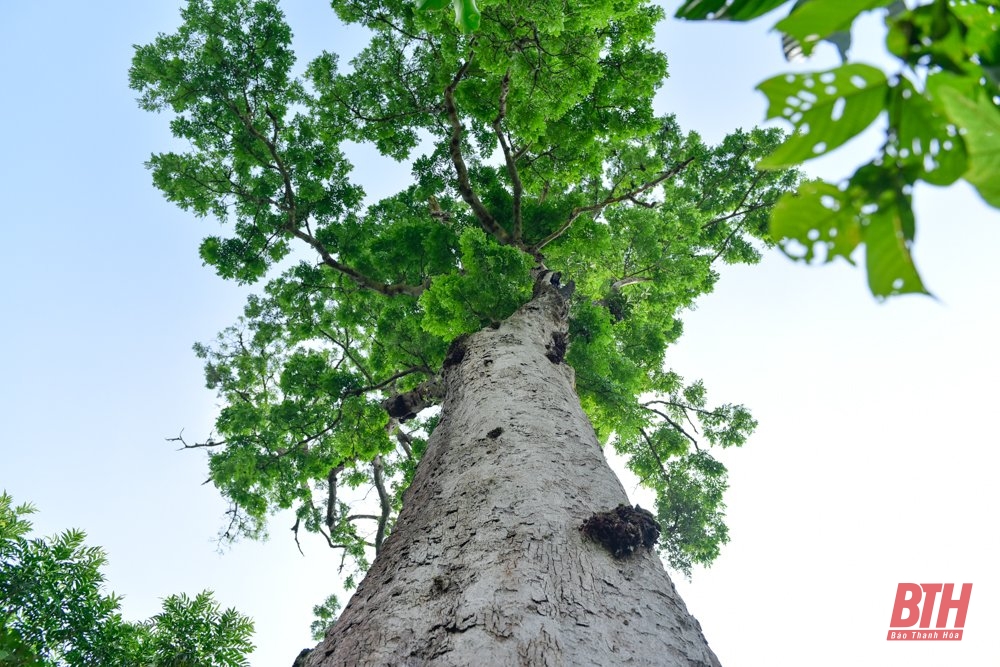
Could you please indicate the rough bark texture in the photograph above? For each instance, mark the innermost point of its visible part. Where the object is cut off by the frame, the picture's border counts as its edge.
(487, 564)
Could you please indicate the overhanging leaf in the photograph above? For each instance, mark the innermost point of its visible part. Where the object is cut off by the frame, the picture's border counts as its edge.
(969, 105)
(467, 15)
(817, 216)
(826, 109)
(726, 10)
(811, 21)
(922, 138)
(890, 266)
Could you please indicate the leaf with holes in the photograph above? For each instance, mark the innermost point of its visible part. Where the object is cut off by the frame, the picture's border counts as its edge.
(811, 21)
(726, 10)
(922, 139)
(817, 216)
(969, 105)
(826, 109)
(887, 233)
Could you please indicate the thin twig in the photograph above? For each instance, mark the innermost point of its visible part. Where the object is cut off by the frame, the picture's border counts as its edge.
(295, 532)
(676, 426)
(197, 445)
(607, 201)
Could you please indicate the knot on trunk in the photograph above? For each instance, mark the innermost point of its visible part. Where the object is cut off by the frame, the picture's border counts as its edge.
(555, 349)
(623, 530)
(456, 352)
(300, 661)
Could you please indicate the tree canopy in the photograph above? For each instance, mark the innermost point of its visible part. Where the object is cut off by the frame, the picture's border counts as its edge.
(533, 144)
(54, 611)
(942, 123)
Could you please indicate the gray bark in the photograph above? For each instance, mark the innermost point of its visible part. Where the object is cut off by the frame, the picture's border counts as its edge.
(486, 564)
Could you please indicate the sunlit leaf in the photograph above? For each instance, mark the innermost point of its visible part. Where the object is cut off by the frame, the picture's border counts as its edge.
(922, 137)
(825, 108)
(890, 266)
(971, 108)
(817, 216)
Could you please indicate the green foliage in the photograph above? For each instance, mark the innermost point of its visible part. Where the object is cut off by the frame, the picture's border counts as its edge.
(456, 303)
(943, 123)
(54, 612)
(193, 631)
(826, 109)
(326, 615)
(531, 141)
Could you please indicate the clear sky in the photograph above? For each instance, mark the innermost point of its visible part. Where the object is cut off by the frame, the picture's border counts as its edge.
(874, 462)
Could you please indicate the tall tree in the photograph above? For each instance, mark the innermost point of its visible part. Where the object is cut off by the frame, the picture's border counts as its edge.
(528, 281)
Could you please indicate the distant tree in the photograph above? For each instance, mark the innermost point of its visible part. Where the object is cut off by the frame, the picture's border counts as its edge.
(54, 612)
(942, 112)
(531, 275)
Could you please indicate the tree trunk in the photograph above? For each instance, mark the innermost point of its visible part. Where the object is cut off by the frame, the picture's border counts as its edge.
(487, 564)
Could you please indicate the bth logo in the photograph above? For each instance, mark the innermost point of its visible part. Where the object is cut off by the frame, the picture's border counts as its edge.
(915, 603)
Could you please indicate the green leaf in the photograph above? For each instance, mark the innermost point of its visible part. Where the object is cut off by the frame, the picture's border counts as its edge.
(922, 139)
(982, 32)
(969, 105)
(467, 16)
(811, 21)
(826, 108)
(726, 10)
(817, 216)
(887, 239)
(929, 35)
(880, 199)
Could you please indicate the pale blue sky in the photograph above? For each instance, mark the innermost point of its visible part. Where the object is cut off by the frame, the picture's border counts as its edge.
(873, 464)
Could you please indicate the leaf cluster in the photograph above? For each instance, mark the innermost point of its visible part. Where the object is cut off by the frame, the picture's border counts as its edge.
(54, 611)
(942, 124)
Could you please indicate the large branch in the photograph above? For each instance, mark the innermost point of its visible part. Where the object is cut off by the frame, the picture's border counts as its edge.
(291, 210)
(384, 502)
(406, 405)
(515, 178)
(357, 277)
(609, 200)
(486, 219)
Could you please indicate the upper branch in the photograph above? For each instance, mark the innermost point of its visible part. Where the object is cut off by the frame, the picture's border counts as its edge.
(515, 178)
(738, 209)
(291, 209)
(359, 278)
(384, 502)
(486, 220)
(611, 199)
